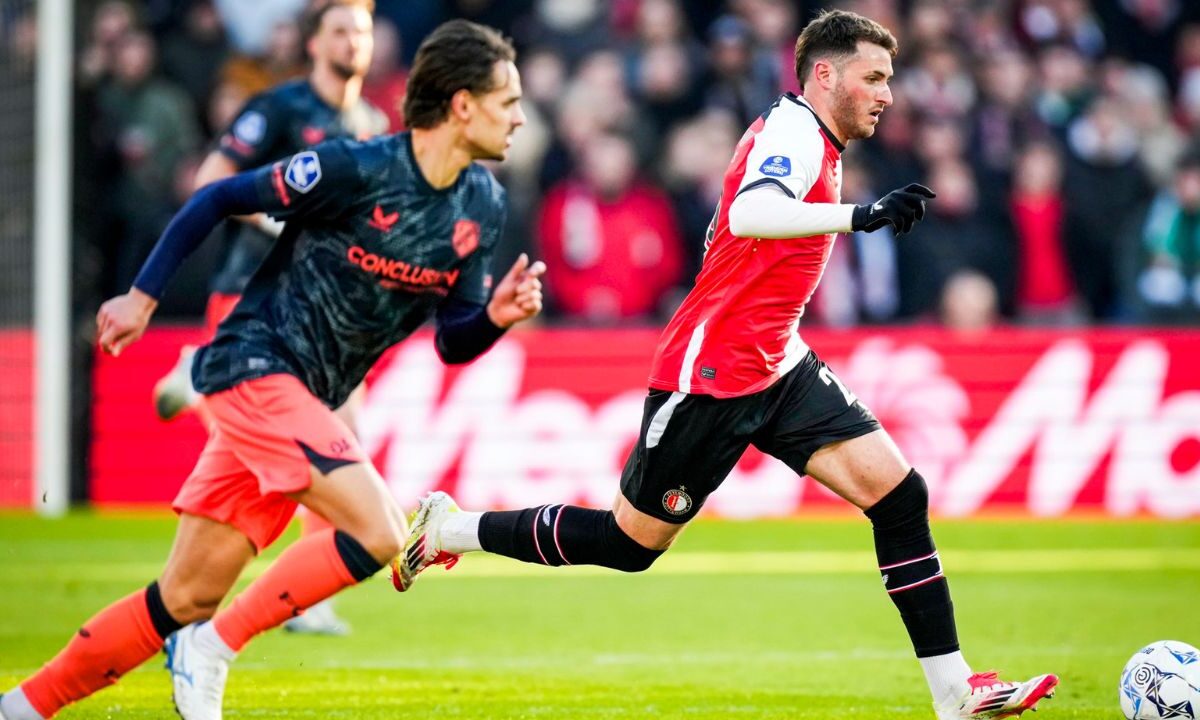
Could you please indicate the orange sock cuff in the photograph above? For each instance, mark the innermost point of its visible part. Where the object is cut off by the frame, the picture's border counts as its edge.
(309, 571)
(110, 644)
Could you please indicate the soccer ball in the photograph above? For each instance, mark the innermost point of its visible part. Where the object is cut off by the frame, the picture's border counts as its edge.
(1162, 680)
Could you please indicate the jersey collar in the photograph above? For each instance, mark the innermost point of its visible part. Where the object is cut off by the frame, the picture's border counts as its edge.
(422, 182)
(824, 128)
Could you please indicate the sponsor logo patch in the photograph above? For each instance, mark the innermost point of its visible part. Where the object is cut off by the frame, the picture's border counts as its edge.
(250, 127)
(396, 274)
(708, 373)
(776, 166)
(303, 172)
(677, 502)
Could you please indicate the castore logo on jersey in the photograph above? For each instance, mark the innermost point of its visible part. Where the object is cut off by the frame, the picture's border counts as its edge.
(382, 222)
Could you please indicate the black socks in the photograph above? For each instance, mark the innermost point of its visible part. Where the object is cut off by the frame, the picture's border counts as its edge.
(912, 572)
(563, 535)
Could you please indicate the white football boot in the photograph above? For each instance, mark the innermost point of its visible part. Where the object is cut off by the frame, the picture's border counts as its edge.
(320, 619)
(173, 393)
(991, 697)
(422, 549)
(197, 678)
(15, 706)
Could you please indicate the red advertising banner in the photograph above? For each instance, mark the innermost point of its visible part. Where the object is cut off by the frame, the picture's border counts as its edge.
(16, 417)
(1037, 422)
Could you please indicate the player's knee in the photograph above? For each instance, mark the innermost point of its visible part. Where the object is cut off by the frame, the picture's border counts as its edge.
(359, 561)
(640, 564)
(189, 603)
(906, 503)
(625, 553)
(382, 543)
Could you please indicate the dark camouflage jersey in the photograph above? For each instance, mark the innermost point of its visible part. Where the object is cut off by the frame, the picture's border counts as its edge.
(368, 252)
(274, 124)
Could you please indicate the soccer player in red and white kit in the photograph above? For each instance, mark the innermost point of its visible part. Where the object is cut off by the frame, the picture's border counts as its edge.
(731, 370)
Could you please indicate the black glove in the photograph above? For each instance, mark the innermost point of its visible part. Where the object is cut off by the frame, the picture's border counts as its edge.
(901, 208)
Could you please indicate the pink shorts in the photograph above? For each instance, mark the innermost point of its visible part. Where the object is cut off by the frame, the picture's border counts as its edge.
(266, 436)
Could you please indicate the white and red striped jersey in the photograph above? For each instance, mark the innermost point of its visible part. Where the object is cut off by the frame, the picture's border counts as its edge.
(737, 331)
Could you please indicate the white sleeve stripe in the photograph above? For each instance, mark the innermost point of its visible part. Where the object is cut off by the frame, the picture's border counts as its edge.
(689, 358)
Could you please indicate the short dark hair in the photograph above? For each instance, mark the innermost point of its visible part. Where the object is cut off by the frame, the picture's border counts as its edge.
(458, 55)
(310, 21)
(838, 33)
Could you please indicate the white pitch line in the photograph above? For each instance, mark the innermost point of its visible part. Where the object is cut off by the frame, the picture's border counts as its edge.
(956, 562)
(268, 661)
(856, 562)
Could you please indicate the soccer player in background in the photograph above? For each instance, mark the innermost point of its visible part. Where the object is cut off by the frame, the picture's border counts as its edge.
(731, 370)
(279, 122)
(380, 236)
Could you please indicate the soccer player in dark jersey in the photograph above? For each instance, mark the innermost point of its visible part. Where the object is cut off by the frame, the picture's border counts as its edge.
(277, 123)
(379, 237)
(731, 370)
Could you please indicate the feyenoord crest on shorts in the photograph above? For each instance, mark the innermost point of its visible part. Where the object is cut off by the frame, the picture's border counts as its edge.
(677, 502)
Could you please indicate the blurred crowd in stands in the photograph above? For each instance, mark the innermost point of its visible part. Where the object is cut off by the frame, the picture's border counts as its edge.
(1060, 136)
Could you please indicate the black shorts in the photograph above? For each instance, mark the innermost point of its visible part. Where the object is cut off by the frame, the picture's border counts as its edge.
(689, 443)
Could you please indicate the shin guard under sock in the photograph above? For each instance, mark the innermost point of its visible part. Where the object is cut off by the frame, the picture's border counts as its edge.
(563, 535)
(912, 571)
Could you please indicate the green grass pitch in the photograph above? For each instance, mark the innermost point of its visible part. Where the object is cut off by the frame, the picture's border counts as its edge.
(780, 619)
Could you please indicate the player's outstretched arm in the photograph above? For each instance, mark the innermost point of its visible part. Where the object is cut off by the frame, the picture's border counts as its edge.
(769, 211)
(123, 319)
(902, 209)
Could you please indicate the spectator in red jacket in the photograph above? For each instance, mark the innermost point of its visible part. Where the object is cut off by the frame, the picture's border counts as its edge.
(1045, 286)
(610, 240)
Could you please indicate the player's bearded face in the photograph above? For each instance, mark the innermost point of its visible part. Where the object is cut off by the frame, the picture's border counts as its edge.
(862, 93)
(345, 41)
(496, 115)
